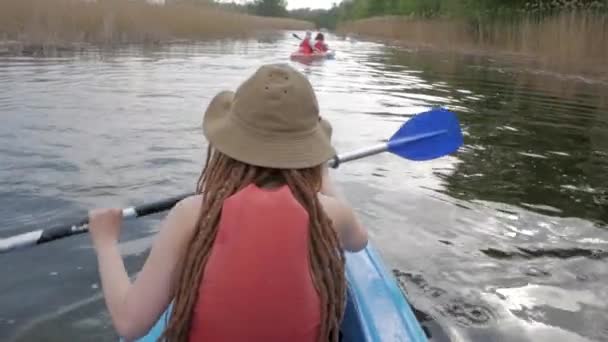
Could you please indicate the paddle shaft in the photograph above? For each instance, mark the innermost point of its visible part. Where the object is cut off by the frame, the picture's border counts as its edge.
(41, 236)
(421, 128)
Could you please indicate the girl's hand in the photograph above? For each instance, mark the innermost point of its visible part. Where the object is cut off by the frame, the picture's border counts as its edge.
(104, 226)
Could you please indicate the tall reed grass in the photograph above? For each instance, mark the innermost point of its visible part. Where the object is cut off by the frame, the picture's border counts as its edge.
(565, 40)
(125, 21)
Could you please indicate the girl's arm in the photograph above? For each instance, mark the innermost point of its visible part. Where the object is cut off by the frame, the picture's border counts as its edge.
(352, 233)
(135, 307)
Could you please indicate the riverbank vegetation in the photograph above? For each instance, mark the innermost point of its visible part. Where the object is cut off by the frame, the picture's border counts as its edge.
(565, 34)
(480, 9)
(563, 40)
(64, 22)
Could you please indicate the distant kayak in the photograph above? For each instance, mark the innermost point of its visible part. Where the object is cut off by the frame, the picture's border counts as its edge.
(302, 56)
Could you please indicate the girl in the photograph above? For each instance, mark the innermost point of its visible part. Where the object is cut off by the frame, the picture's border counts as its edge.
(320, 43)
(257, 254)
(305, 45)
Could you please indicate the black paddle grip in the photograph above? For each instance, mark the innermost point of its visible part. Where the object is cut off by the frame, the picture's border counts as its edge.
(62, 231)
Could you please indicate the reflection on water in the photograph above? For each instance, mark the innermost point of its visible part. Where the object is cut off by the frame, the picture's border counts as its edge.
(533, 140)
(505, 240)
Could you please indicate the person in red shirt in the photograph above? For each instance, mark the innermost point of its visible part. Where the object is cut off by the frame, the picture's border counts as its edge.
(305, 45)
(320, 43)
(258, 253)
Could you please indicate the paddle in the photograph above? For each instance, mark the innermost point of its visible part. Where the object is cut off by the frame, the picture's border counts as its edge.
(425, 136)
(296, 36)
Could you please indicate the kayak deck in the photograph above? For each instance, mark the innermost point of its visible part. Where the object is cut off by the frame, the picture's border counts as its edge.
(379, 309)
(376, 309)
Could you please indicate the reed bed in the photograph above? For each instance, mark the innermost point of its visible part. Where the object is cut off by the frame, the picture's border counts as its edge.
(567, 40)
(125, 21)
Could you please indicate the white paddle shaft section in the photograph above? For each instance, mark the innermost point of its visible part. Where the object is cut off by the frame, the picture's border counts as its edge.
(19, 241)
(357, 154)
(128, 213)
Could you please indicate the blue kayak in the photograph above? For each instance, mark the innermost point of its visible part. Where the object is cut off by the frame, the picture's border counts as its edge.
(376, 309)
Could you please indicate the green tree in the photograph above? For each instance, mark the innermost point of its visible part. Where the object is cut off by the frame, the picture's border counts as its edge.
(322, 18)
(488, 9)
(270, 8)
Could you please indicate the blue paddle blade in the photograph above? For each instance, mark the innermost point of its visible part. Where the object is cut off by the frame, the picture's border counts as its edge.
(428, 135)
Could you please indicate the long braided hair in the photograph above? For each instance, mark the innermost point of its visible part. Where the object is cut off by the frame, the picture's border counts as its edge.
(222, 177)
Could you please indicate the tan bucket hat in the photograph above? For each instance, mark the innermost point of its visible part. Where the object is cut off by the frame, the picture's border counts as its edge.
(271, 121)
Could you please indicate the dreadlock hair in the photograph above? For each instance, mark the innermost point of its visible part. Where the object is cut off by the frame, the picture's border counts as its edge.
(222, 177)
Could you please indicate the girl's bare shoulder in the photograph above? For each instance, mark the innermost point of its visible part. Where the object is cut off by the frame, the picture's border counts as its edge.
(186, 212)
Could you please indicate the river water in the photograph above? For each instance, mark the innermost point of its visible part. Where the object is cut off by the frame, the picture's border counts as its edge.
(504, 241)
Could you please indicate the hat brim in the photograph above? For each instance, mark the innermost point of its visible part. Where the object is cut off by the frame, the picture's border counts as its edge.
(231, 137)
(327, 129)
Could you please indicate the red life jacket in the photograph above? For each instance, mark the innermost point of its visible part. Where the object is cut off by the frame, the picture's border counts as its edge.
(305, 46)
(257, 284)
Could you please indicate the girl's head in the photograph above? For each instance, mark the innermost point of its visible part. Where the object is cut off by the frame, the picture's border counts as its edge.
(308, 35)
(271, 121)
(269, 133)
(320, 36)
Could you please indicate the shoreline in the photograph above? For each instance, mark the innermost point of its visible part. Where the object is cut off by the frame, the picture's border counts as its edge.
(596, 74)
(506, 47)
(24, 48)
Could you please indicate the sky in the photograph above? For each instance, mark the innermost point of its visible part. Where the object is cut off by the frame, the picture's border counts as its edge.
(291, 4)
